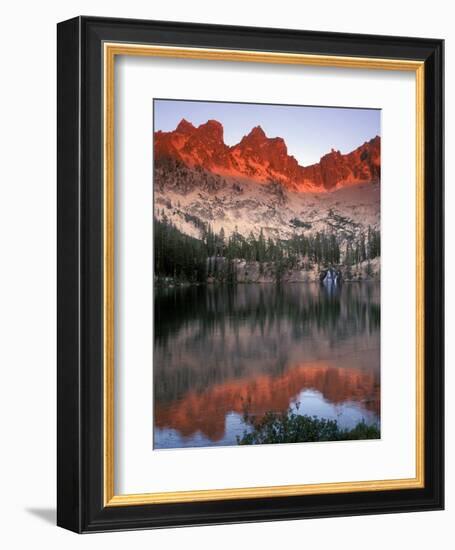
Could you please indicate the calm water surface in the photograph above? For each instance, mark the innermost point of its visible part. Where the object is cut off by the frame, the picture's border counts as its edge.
(221, 350)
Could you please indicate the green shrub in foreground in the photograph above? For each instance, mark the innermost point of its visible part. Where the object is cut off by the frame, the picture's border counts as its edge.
(290, 427)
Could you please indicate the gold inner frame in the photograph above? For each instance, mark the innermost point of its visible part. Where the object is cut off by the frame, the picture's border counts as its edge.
(110, 51)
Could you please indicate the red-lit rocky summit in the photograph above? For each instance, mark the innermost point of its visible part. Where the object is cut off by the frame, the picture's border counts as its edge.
(263, 159)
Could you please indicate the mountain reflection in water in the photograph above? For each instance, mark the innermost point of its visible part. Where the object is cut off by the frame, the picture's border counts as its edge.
(221, 349)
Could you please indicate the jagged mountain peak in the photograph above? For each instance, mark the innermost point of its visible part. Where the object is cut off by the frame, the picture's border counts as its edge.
(256, 132)
(185, 127)
(211, 129)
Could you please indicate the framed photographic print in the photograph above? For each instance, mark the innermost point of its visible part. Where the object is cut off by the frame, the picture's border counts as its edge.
(250, 274)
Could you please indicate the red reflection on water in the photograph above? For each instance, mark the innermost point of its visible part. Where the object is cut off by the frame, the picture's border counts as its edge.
(206, 411)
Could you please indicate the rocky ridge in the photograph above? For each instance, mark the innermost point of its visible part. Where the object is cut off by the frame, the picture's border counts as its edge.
(263, 159)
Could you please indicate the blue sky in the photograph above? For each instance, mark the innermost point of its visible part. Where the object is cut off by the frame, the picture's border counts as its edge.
(309, 132)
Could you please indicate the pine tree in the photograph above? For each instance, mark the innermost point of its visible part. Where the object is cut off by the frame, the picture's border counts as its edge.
(362, 252)
(261, 247)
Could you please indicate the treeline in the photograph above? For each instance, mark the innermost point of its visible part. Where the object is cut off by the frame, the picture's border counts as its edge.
(318, 248)
(366, 248)
(177, 255)
(186, 258)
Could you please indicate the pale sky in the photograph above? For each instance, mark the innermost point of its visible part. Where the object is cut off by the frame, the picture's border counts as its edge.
(309, 132)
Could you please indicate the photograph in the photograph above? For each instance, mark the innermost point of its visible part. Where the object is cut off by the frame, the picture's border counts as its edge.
(267, 273)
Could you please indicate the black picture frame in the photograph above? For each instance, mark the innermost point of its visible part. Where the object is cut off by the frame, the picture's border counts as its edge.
(80, 473)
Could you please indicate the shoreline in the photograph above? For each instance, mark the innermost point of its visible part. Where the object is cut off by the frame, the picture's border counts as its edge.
(239, 283)
(222, 270)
